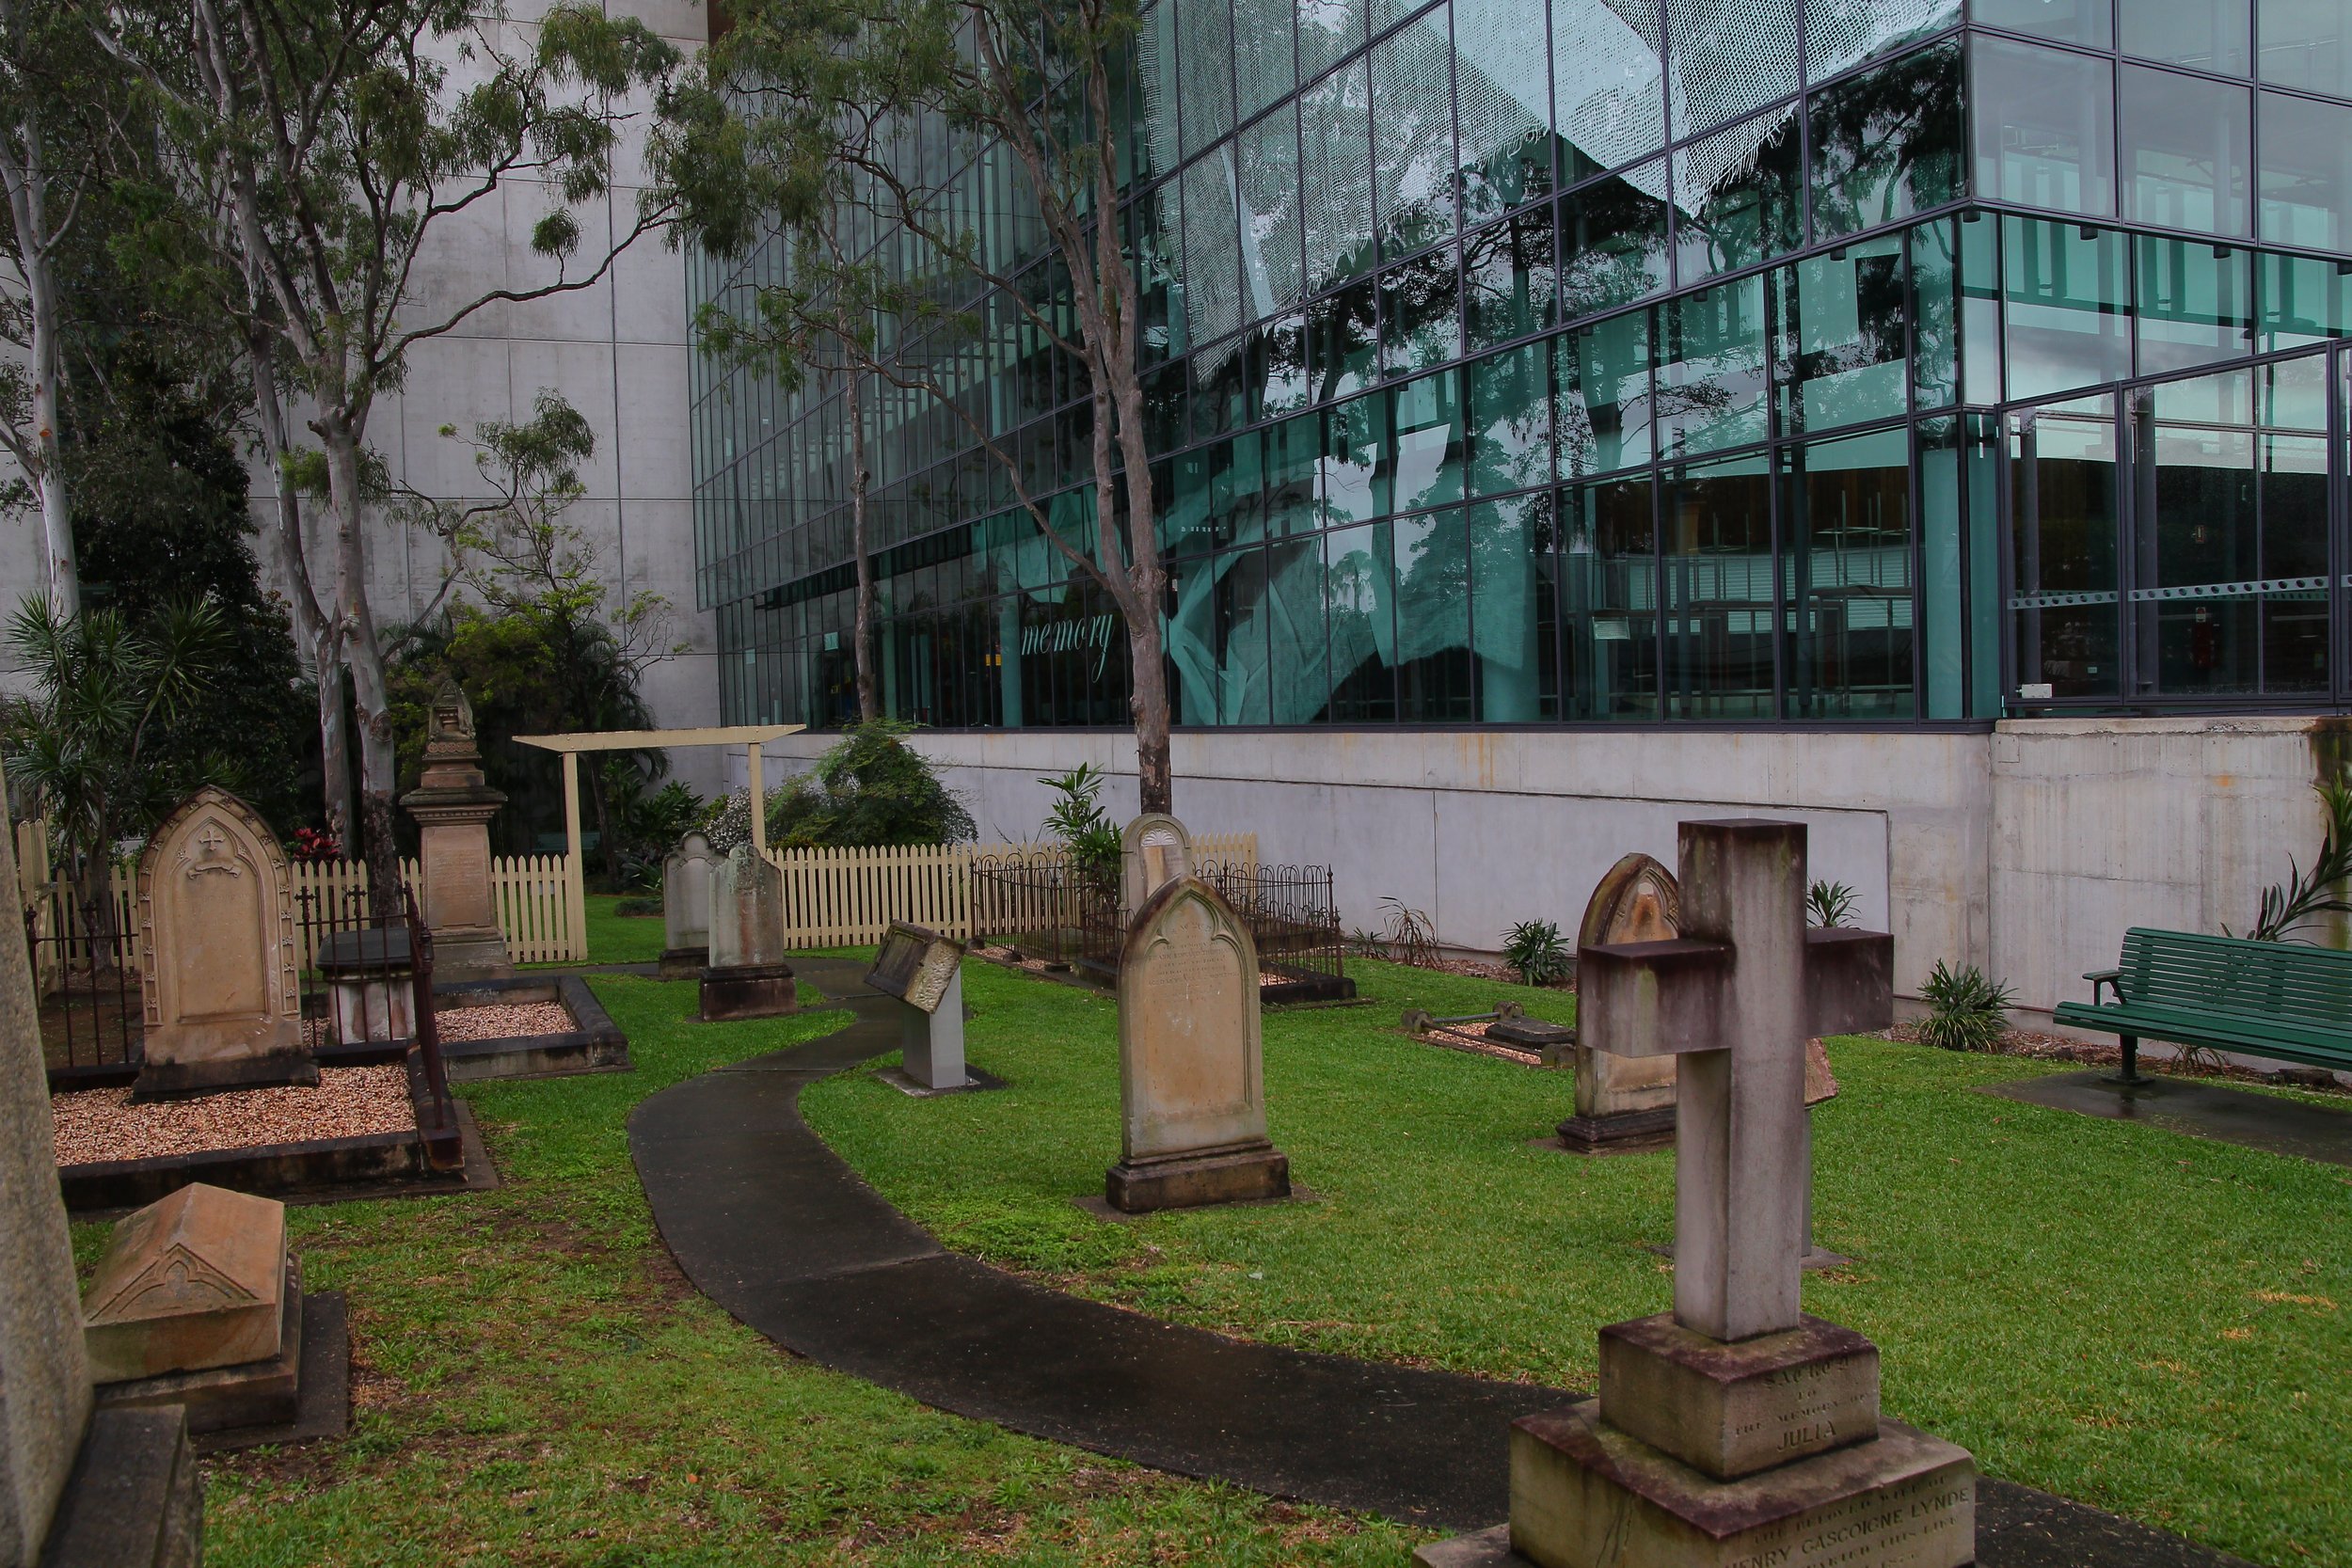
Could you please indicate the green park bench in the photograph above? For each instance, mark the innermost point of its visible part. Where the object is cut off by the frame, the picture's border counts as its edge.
(2285, 1001)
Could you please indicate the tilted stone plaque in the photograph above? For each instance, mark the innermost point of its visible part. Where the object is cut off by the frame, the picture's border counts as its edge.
(924, 971)
(222, 1002)
(747, 977)
(193, 1280)
(1192, 1091)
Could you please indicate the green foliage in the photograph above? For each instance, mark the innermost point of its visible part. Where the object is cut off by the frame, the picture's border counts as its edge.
(1077, 818)
(646, 824)
(81, 744)
(871, 789)
(2306, 895)
(1408, 936)
(1536, 949)
(1970, 1012)
(1828, 903)
(726, 822)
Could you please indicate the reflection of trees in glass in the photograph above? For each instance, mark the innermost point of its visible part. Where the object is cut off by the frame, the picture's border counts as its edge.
(1887, 143)
(1509, 280)
(1612, 247)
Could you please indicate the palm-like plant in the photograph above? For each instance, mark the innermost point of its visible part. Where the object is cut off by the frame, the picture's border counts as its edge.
(102, 689)
(2306, 895)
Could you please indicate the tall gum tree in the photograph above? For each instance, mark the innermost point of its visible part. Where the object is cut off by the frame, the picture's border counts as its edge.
(341, 139)
(855, 117)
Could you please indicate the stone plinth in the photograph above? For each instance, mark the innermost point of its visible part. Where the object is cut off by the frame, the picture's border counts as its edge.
(925, 971)
(193, 1280)
(452, 804)
(1733, 1409)
(1585, 1494)
(371, 978)
(222, 1002)
(747, 977)
(685, 909)
(1191, 1072)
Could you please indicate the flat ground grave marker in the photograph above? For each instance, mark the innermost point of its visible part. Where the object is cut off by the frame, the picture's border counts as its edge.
(1191, 1059)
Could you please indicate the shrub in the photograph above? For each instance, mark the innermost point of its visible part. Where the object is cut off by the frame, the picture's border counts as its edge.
(1828, 903)
(1079, 821)
(2306, 895)
(637, 907)
(1971, 1013)
(1535, 949)
(1411, 937)
(871, 789)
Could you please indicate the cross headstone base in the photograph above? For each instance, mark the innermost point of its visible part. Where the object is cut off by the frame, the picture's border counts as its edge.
(1189, 1181)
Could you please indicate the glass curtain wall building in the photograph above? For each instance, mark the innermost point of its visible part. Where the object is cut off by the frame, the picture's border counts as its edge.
(1759, 361)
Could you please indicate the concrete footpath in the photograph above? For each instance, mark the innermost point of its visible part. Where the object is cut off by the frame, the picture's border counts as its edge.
(773, 1226)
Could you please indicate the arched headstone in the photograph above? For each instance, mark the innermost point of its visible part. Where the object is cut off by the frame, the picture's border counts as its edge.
(747, 977)
(1155, 850)
(1191, 1059)
(686, 907)
(1625, 1101)
(222, 1000)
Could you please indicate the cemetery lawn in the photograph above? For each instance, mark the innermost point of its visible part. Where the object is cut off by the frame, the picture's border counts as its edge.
(2148, 1323)
(534, 1383)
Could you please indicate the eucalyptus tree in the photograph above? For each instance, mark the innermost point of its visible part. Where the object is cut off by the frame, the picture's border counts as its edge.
(833, 120)
(339, 144)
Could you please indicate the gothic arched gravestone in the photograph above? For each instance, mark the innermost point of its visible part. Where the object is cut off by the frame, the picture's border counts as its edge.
(1625, 1101)
(222, 1000)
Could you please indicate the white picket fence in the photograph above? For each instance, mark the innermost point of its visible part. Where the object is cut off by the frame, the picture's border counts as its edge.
(849, 898)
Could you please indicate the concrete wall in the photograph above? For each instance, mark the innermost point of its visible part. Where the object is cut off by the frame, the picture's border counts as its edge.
(2026, 851)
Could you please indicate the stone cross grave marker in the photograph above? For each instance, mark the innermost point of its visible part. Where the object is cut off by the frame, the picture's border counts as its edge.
(222, 1003)
(1154, 850)
(452, 804)
(925, 971)
(1737, 1430)
(1191, 1068)
(747, 977)
(686, 907)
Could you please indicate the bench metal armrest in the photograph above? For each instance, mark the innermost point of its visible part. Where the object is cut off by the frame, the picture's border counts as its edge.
(2110, 977)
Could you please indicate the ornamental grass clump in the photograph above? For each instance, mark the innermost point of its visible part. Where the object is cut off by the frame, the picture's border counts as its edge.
(1970, 1012)
(1534, 948)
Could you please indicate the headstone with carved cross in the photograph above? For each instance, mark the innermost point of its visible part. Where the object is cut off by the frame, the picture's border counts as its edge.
(1191, 1070)
(452, 804)
(1735, 1430)
(222, 1002)
(1154, 848)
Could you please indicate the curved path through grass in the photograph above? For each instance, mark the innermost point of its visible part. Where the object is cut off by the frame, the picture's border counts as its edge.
(773, 1226)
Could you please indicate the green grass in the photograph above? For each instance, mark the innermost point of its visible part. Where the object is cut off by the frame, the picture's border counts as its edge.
(618, 939)
(535, 1384)
(2150, 1322)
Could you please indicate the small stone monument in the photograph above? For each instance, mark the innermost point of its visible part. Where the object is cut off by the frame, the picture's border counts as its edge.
(748, 976)
(925, 971)
(1625, 1104)
(197, 1304)
(1154, 849)
(1737, 1430)
(452, 806)
(221, 999)
(135, 1496)
(1191, 1075)
(685, 909)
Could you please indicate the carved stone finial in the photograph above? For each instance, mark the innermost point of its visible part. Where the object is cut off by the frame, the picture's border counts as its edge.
(452, 715)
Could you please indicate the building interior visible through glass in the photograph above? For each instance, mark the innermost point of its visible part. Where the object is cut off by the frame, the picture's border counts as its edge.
(1734, 360)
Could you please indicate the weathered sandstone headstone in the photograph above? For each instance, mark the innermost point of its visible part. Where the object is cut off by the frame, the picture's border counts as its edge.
(193, 1281)
(223, 1006)
(45, 1404)
(1736, 1431)
(748, 976)
(1154, 850)
(1192, 1087)
(925, 971)
(1623, 1102)
(452, 804)
(686, 907)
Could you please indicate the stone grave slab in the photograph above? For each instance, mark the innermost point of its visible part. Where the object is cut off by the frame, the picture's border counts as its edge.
(193, 1280)
(924, 971)
(1191, 1070)
(748, 976)
(686, 907)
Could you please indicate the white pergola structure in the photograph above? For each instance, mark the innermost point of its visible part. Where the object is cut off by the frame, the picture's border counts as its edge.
(750, 737)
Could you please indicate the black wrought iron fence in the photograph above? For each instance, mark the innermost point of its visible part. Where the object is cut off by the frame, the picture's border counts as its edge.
(92, 1014)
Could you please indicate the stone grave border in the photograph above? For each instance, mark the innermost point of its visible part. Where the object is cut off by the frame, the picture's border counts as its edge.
(594, 1043)
(314, 1170)
(1424, 1028)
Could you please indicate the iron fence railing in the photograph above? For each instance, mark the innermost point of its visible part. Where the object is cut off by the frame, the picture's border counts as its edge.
(1053, 912)
(92, 1014)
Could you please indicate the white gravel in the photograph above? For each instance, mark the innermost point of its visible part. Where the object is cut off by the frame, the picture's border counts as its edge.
(348, 1102)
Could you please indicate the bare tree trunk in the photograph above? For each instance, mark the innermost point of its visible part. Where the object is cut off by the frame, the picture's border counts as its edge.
(364, 659)
(27, 200)
(868, 687)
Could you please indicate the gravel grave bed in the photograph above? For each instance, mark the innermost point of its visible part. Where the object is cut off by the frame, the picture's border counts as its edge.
(348, 1102)
(1472, 1037)
(504, 1020)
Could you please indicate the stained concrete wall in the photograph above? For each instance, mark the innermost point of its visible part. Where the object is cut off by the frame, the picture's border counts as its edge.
(2026, 851)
